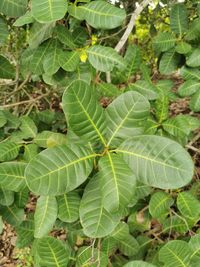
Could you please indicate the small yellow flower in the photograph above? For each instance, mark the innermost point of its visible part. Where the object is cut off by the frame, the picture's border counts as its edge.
(94, 39)
(83, 56)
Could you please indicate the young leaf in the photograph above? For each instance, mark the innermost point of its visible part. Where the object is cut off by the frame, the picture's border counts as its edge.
(159, 204)
(52, 252)
(13, 8)
(175, 253)
(12, 175)
(148, 156)
(97, 222)
(84, 115)
(68, 207)
(105, 58)
(125, 116)
(46, 11)
(194, 30)
(45, 215)
(117, 181)
(102, 15)
(179, 19)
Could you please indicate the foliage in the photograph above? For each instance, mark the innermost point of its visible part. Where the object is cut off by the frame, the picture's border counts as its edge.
(110, 176)
(178, 48)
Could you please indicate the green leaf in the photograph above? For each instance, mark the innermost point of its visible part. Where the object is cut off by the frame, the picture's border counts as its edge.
(12, 214)
(138, 264)
(189, 88)
(133, 61)
(159, 204)
(193, 59)
(21, 198)
(6, 197)
(65, 36)
(3, 119)
(12, 175)
(25, 19)
(28, 127)
(175, 224)
(144, 88)
(195, 102)
(52, 252)
(125, 116)
(164, 41)
(39, 33)
(183, 48)
(8, 151)
(102, 15)
(188, 205)
(25, 233)
(4, 33)
(60, 169)
(179, 19)
(148, 156)
(87, 256)
(46, 11)
(195, 246)
(51, 59)
(68, 207)
(190, 73)
(84, 115)
(36, 64)
(96, 221)
(47, 116)
(194, 30)
(108, 89)
(117, 181)
(162, 108)
(30, 151)
(69, 60)
(169, 62)
(45, 215)
(126, 242)
(7, 70)
(105, 58)
(175, 253)
(13, 8)
(48, 139)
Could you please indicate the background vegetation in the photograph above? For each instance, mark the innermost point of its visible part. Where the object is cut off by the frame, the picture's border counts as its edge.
(99, 133)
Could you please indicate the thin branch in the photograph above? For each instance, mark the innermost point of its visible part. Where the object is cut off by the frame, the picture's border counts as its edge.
(25, 101)
(131, 24)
